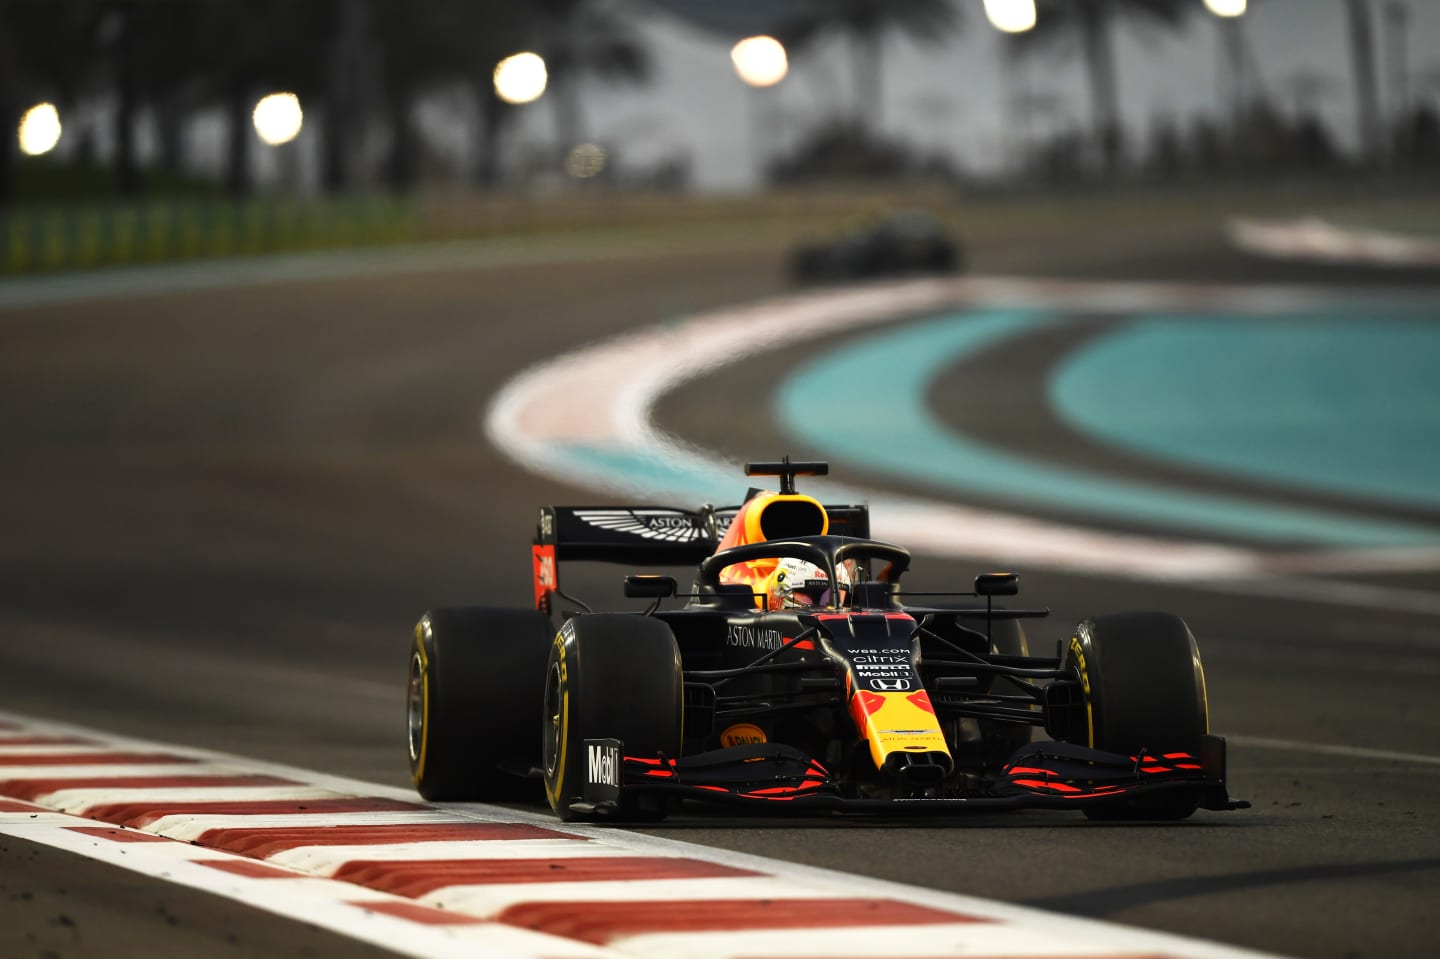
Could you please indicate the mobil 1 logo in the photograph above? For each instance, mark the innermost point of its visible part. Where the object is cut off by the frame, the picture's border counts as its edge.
(885, 670)
(604, 765)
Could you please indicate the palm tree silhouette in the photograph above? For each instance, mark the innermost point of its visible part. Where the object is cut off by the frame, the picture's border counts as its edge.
(47, 51)
(1062, 25)
(866, 23)
(583, 40)
(1362, 59)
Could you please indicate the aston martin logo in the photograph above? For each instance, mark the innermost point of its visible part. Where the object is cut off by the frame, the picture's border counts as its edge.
(667, 526)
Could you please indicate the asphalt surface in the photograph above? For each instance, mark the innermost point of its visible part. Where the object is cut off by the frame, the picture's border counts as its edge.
(224, 510)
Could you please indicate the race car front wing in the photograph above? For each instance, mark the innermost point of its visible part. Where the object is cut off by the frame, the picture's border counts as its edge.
(1045, 775)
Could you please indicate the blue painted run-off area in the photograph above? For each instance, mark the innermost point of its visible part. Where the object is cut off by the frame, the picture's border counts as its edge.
(1157, 371)
(1336, 404)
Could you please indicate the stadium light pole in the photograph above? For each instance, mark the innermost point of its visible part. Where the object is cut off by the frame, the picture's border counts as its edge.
(1234, 81)
(278, 120)
(1362, 62)
(1010, 16)
(521, 78)
(1226, 8)
(39, 129)
(761, 63)
(516, 80)
(1397, 22)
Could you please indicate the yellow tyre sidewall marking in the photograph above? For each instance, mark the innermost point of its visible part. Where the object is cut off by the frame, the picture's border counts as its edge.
(562, 747)
(1078, 651)
(420, 629)
(1204, 691)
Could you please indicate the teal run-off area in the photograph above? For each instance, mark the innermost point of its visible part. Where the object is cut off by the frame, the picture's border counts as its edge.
(1344, 401)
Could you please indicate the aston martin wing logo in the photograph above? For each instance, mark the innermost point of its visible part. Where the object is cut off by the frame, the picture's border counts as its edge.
(662, 525)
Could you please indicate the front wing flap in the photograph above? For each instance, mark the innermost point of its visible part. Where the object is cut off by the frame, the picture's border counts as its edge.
(1047, 775)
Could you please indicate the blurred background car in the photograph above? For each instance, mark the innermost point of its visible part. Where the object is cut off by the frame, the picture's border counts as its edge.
(898, 242)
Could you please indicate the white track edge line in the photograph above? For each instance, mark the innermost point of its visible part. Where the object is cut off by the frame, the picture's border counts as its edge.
(1121, 937)
(673, 353)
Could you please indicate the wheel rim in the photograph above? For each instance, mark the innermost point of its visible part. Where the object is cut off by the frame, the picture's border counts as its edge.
(554, 719)
(415, 707)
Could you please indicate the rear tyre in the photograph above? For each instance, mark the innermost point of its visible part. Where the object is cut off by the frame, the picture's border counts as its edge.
(1144, 690)
(609, 676)
(476, 676)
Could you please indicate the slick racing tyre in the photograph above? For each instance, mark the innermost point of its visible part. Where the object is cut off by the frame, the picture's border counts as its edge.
(1144, 689)
(475, 679)
(609, 676)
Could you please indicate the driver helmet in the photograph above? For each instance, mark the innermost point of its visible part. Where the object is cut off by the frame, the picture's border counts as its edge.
(797, 583)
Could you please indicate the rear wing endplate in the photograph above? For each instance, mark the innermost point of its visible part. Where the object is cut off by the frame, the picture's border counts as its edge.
(644, 536)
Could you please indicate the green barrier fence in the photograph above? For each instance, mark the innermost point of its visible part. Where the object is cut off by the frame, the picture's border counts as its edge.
(85, 238)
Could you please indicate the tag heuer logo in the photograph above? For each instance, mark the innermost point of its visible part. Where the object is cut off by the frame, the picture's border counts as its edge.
(666, 526)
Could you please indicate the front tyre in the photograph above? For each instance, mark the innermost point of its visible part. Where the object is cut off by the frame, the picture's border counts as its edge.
(473, 688)
(1144, 689)
(609, 676)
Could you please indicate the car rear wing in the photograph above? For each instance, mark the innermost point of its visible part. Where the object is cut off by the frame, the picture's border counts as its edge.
(644, 536)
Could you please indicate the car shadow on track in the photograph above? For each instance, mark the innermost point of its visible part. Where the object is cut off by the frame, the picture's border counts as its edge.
(1100, 902)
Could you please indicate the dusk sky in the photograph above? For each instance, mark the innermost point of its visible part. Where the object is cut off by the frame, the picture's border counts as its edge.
(948, 98)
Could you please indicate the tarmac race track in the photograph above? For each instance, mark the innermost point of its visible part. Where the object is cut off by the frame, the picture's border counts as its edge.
(224, 509)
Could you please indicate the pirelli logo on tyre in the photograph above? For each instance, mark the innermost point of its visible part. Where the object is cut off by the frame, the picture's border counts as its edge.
(557, 704)
(1077, 650)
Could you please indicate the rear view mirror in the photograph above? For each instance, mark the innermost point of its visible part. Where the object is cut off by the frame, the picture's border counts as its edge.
(997, 584)
(649, 586)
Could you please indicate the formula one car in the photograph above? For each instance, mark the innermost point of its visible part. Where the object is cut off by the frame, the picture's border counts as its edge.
(797, 675)
(899, 242)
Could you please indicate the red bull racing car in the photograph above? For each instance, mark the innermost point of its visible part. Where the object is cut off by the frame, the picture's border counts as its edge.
(796, 674)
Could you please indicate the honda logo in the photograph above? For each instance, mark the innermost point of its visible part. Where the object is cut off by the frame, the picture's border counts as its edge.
(890, 685)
